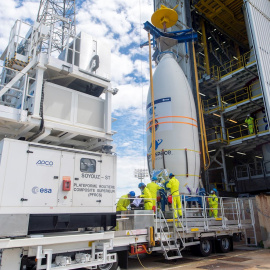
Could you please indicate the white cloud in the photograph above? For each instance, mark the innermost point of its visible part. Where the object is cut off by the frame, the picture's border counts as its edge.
(130, 96)
(10, 12)
(124, 20)
(119, 23)
(125, 174)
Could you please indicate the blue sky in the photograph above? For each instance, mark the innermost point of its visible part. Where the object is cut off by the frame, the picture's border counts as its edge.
(119, 23)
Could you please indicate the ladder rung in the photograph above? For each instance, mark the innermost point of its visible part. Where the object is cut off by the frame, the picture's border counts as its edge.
(170, 248)
(174, 257)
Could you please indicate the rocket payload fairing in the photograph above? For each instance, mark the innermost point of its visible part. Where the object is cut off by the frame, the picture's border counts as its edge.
(176, 128)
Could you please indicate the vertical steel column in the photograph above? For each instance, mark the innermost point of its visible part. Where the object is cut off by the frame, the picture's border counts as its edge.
(224, 169)
(204, 39)
(207, 186)
(224, 135)
(238, 54)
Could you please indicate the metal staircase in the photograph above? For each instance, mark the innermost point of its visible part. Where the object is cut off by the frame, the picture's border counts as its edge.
(250, 233)
(169, 243)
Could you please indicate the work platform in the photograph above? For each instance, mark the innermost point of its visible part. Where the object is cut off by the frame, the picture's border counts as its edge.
(231, 75)
(59, 97)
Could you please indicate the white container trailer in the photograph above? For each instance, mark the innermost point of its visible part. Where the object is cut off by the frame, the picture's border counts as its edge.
(54, 188)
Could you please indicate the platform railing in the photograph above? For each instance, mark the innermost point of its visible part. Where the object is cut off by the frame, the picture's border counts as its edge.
(18, 94)
(242, 131)
(215, 134)
(197, 215)
(234, 98)
(235, 64)
(251, 171)
(211, 105)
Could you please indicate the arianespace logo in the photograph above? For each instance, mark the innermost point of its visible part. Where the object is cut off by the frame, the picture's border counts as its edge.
(44, 163)
(157, 143)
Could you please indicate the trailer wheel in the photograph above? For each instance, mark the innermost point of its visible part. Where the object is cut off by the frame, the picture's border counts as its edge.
(205, 247)
(224, 245)
(109, 266)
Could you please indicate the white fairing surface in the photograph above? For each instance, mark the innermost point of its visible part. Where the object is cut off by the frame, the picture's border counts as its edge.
(176, 129)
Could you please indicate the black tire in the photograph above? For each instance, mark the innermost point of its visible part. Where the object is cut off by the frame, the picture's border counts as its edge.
(205, 248)
(224, 245)
(109, 266)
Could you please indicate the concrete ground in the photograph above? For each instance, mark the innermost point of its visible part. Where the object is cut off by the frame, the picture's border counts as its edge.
(241, 258)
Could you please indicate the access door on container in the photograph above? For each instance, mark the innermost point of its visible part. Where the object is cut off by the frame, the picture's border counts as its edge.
(87, 181)
(42, 176)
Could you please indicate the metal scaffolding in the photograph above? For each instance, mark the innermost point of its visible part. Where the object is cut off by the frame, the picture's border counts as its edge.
(59, 16)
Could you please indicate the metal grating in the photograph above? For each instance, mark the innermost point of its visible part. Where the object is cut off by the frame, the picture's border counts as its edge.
(227, 15)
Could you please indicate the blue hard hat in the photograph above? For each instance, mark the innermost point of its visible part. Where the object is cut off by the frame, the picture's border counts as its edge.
(141, 185)
(154, 178)
(132, 193)
(214, 189)
(171, 175)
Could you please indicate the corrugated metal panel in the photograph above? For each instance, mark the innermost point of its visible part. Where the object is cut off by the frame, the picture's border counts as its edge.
(258, 15)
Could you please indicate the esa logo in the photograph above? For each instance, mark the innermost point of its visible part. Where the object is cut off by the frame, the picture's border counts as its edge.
(36, 190)
(44, 163)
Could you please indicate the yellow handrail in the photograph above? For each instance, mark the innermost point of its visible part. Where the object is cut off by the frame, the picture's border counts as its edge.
(231, 66)
(153, 106)
(233, 98)
(211, 105)
(242, 131)
(215, 134)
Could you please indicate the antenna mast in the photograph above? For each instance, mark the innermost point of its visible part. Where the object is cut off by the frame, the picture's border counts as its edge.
(59, 15)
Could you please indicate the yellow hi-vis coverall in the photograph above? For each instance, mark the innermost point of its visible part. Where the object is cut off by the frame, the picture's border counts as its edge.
(153, 188)
(213, 205)
(250, 122)
(174, 186)
(123, 203)
(148, 204)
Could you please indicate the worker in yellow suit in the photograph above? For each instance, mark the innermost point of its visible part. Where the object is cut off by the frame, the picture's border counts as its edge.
(125, 201)
(173, 184)
(153, 188)
(213, 203)
(250, 122)
(146, 194)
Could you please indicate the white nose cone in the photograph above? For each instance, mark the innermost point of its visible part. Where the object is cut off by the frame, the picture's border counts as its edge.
(177, 127)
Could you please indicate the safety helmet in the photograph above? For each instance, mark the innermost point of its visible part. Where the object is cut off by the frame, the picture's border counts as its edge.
(214, 189)
(171, 175)
(132, 193)
(141, 185)
(154, 178)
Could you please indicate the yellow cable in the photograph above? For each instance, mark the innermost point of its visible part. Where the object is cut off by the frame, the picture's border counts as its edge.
(206, 164)
(153, 106)
(139, 258)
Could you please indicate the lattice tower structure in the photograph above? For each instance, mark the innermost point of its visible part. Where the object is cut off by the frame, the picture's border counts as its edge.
(60, 16)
